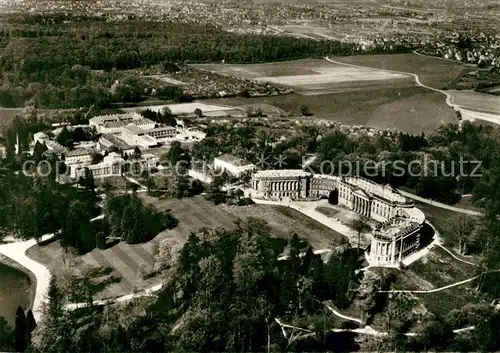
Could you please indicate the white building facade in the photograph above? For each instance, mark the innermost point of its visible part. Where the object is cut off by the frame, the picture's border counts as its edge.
(279, 184)
(398, 221)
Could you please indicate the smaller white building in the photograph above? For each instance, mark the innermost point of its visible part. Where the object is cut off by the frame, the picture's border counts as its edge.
(150, 160)
(232, 165)
(190, 134)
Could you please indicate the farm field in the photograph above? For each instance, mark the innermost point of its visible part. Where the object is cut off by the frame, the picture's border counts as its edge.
(434, 72)
(126, 261)
(313, 76)
(408, 109)
(481, 117)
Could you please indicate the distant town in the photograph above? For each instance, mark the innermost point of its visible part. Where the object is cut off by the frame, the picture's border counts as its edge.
(200, 176)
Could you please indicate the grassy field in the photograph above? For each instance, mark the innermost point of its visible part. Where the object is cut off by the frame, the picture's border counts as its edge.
(14, 292)
(409, 109)
(126, 261)
(440, 218)
(433, 72)
(436, 270)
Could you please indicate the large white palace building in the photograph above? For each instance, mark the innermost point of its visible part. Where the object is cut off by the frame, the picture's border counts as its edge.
(398, 221)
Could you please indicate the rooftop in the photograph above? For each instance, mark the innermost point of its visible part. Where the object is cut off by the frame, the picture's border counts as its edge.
(78, 152)
(236, 161)
(162, 128)
(114, 124)
(406, 220)
(326, 177)
(142, 121)
(55, 146)
(281, 173)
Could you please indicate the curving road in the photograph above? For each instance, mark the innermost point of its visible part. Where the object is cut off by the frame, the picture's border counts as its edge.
(440, 204)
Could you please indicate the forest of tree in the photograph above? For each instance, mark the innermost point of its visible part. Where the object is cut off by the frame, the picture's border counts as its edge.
(226, 290)
(77, 62)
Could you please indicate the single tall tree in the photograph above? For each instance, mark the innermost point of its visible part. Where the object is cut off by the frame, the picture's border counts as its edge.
(20, 343)
(30, 326)
(360, 225)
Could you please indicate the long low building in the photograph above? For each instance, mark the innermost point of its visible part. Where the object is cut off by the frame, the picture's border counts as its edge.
(398, 221)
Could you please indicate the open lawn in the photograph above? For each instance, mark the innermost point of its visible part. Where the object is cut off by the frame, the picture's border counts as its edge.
(481, 102)
(327, 211)
(434, 72)
(437, 269)
(127, 261)
(271, 69)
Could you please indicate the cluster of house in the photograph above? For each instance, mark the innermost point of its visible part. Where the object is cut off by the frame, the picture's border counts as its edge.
(398, 223)
(123, 135)
(483, 53)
